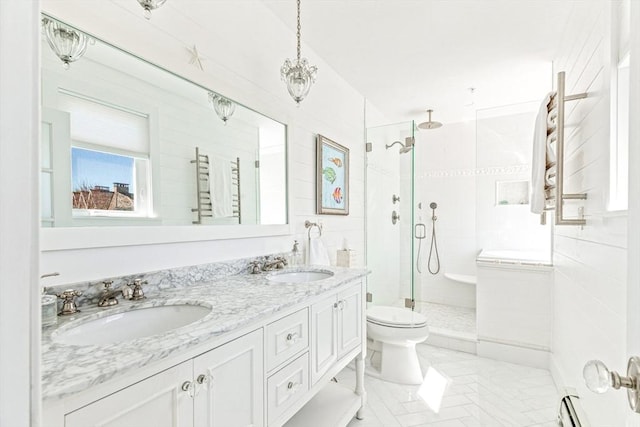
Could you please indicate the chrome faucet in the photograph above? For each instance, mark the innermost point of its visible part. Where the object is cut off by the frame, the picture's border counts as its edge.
(277, 263)
(69, 305)
(108, 297)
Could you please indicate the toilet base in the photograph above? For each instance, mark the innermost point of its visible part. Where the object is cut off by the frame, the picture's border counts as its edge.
(395, 363)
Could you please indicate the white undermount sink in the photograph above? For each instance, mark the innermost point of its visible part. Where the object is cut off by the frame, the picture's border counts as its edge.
(131, 324)
(299, 276)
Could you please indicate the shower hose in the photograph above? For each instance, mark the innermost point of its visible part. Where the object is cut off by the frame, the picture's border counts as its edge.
(434, 247)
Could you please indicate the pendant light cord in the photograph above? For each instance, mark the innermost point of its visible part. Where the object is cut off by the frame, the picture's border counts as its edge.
(298, 33)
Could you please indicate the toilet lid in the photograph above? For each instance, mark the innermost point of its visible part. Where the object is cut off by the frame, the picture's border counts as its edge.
(395, 316)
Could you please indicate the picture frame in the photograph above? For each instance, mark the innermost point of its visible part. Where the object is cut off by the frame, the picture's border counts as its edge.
(332, 177)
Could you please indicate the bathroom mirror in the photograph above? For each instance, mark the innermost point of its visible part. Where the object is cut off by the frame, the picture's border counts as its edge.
(127, 143)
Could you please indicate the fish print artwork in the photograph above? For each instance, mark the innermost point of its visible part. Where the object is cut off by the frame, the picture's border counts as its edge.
(332, 177)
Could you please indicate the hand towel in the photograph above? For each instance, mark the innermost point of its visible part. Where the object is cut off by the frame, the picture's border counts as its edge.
(318, 254)
(539, 160)
(221, 187)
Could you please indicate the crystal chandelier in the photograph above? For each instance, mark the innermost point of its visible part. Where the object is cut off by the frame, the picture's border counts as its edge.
(149, 5)
(224, 107)
(298, 74)
(68, 43)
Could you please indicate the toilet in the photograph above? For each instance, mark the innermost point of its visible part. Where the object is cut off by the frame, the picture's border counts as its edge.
(394, 333)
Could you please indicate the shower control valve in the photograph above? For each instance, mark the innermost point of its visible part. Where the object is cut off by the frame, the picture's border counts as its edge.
(395, 217)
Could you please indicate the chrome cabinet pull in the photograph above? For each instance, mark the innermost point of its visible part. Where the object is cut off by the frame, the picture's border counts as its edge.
(202, 378)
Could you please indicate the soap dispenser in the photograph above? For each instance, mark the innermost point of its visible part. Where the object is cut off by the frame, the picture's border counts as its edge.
(296, 255)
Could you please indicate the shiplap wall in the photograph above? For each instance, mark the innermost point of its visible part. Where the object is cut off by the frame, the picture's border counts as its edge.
(591, 262)
(243, 65)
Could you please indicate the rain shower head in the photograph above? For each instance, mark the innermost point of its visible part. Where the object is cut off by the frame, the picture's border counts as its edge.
(429, 124)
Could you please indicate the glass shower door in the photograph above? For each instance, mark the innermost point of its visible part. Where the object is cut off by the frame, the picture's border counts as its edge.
(389, 213)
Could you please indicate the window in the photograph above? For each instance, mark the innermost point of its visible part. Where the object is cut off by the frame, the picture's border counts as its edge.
(109, 158)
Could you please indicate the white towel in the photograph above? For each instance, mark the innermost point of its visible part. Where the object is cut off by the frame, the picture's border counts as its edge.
(221, 187)
(539, 158)
(318, 254)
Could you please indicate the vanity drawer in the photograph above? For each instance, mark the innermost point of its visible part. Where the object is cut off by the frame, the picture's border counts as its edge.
(286, 337)
(286, 386)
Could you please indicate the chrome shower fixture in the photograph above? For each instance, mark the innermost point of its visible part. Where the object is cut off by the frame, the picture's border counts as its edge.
(430, 124)
(149, 5)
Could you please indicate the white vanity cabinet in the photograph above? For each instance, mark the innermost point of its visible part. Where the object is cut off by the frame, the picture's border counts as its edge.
(220, 388)
(336, 328)
(275, 372)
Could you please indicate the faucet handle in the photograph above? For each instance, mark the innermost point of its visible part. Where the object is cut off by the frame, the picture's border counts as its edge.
(69, 304)
(138, 293)
(255, 267)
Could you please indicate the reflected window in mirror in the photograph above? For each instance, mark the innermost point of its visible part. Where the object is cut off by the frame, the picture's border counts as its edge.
(112, 110)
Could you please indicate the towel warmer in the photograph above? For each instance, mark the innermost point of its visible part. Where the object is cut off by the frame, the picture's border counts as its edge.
(554, 192)
(204, 207)
(235, 180)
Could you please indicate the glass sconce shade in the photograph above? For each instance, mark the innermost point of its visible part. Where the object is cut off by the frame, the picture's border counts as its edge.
(67, 43)
(224, 107)
(149, 5)
(299, 76)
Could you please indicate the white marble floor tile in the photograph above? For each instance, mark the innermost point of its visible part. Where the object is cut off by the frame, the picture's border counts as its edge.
(481, 392)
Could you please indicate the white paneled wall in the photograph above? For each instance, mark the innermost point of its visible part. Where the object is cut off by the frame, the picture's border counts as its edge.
(243, 65)
(590, 281)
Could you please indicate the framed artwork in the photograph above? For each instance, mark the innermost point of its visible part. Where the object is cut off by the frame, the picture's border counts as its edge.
(332, 177)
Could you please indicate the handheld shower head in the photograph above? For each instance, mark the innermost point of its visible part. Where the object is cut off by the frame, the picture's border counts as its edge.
(433, 205)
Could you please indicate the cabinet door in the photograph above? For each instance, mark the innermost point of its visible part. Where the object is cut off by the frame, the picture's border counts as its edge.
(349, 319)
(229, 384)
(323, 337)
(157, 401)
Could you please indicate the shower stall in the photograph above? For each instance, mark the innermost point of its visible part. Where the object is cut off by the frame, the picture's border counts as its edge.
(405, 213)
(439, 200)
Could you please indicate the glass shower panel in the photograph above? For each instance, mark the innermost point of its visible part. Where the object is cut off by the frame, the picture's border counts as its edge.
(504, 222)
(390, 195)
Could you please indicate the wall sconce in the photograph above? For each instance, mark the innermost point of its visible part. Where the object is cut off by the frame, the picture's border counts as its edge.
(224, 107)
(67, 43)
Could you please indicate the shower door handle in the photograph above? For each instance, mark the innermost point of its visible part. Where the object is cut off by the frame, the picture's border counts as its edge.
(420, 231)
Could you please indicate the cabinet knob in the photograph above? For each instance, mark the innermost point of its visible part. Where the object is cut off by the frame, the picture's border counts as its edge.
(202, 378)
(292, 337)
(292, 386)
(188, 386)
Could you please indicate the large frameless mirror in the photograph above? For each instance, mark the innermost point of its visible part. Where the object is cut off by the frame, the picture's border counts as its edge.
(127, 143)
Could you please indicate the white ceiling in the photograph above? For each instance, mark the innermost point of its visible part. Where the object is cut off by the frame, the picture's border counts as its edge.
(406, 56)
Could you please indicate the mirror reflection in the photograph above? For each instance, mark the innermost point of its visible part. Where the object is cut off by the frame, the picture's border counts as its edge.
(125, 142)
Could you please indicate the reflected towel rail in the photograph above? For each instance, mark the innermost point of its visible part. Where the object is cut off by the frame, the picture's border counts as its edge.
(203, 196)
(554, 193)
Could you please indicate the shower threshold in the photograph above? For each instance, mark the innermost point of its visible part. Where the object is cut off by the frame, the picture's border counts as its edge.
(450, 326)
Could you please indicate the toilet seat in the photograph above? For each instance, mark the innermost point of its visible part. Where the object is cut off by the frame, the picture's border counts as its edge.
(395, 317)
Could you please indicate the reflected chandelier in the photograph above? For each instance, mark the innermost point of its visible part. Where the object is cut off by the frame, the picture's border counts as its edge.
(298, 74)
(149, 5)
(224, 107)
(66, 42)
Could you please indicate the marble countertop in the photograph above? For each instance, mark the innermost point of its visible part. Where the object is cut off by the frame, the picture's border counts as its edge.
(236, 301)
